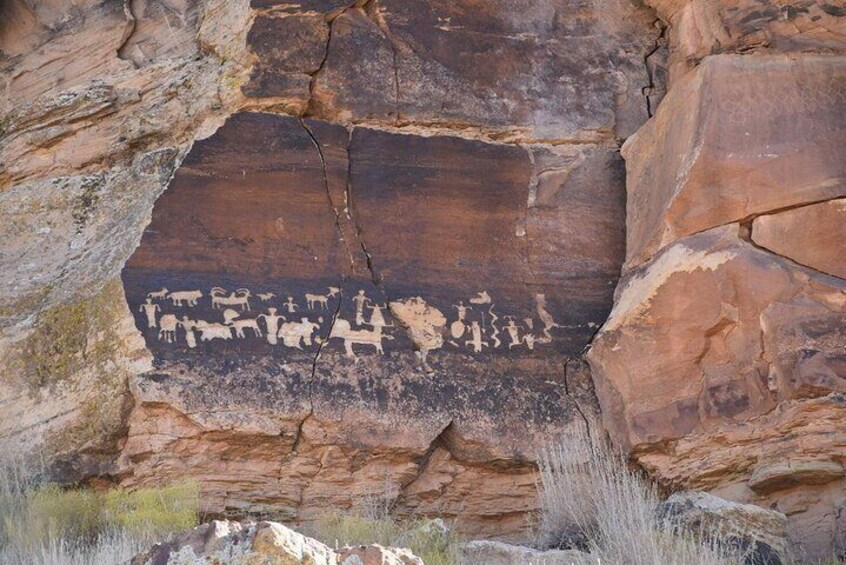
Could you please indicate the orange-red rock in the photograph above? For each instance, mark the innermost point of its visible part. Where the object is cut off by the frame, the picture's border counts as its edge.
(774, 140)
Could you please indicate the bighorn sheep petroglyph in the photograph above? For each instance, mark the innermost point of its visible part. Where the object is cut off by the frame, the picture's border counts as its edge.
(240, 298)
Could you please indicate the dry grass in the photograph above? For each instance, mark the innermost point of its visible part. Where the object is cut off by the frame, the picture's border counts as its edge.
(42, 523)
(588, 490)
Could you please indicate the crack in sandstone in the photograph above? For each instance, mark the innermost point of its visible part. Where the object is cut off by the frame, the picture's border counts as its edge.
(131, 25)
(373, 11)
(353, 216)
(660, 42)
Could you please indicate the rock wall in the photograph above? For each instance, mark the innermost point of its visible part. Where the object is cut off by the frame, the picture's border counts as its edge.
(390, 231)
(722, 365)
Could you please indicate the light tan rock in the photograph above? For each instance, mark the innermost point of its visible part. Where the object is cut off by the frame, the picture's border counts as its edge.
(813, 235)
(781, 475)
(283, 546)
(499, 553)
(376, 555)
(697, 165)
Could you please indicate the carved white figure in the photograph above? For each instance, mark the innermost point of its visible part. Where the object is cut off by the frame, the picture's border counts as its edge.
(360, 300)
(241, 325)
(290, 305)
(546, 318)
(333, 291)
(296, 334)
(240, 298)
(425, 324)
(495, 332)
(513, 332)
(265, 296)
(167, 328)
(481, 298)
(229, 314)
(150, 309)
(377, 318)
(271, 322)
(530, 341)
(159, 294)
(341, 329)
(181, 297)
(477, 341)
(188, 326)
(210, 331)
(458, 327)
(316, 299)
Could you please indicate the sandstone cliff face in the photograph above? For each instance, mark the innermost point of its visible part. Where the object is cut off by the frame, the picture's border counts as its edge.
(390, 230)
(721, 366)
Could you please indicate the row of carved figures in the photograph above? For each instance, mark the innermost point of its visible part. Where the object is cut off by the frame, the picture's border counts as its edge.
(486, 331)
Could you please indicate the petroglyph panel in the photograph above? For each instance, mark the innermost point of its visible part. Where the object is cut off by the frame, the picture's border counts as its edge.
(282, 238)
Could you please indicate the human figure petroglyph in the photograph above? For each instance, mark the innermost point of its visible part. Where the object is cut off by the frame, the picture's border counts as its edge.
(271, 322)
(209, 331)
(530, 341)
(513, 331)
(360, 300)
(167, 328)
(458, 327)
(546, 318)
(229, 314)
(240, 298)
(188, 326)
(481, 298)
(297, 334)
(150, 309)
(159, 294)
(341, 329)
(290, 305)
(476, 342)
(180, 298)
(376, 317)
(265, 296)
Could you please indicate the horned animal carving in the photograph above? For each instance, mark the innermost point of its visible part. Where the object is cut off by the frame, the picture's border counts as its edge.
(239, 298)
(183, 296)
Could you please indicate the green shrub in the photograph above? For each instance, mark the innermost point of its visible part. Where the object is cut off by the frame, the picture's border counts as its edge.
(429, 542)
(154, 510)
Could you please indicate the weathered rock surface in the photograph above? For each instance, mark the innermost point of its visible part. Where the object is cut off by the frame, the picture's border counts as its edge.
(811, 235)
(698, 165)
(757, 533)
(264, 542)
(499, 553)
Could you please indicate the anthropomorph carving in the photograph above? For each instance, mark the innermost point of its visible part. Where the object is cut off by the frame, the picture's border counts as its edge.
(271, 322)
(476, 341)
(290, 306)
(360, 300)
(167, 328)
(546, 318)
(459, 326)
(150, 309)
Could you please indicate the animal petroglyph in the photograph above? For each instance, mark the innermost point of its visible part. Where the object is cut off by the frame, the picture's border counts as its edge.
(321, 300)
(158, 295)
(297, 334)
(210, 331)
(342, 329)
(167, 328)
(185, 297)
(481, 298)
(265, 296)
(150, 309)
(240, 298)
(247, 323)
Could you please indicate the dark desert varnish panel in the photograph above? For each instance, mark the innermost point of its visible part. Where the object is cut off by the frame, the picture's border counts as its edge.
(246, 251)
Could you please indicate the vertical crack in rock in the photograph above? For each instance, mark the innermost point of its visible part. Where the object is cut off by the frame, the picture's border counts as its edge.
(131, 24)
(660, 42)
(353, 216)
(572, 395)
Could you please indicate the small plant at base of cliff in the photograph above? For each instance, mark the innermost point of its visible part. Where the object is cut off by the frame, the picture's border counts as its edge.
(591, 499)
(42, 523)
(431, 540)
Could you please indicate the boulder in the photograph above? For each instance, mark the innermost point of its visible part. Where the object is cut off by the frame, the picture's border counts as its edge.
(376, 555)
(263, 542)
(759, 534)
(500, 553)
(698, 165)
